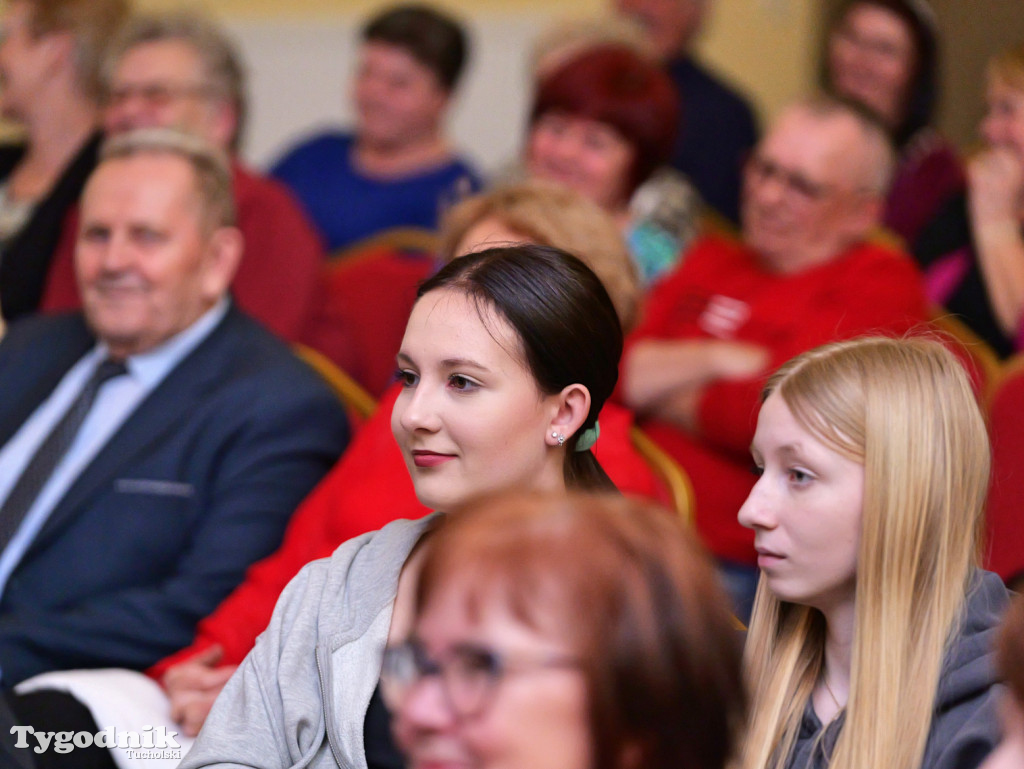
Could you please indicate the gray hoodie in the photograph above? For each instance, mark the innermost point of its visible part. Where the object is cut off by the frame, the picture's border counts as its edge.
(965, 728)
(299, 698)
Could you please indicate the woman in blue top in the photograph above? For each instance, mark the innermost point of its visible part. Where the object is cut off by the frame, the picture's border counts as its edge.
(396, 168)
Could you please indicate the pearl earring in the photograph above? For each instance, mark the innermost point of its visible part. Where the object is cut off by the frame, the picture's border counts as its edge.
(558, 437)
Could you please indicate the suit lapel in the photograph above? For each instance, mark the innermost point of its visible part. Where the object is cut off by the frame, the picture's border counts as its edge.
(163, 410)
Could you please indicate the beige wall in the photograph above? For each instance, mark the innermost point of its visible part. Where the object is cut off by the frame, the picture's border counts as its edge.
(767, 47)
(973, 32)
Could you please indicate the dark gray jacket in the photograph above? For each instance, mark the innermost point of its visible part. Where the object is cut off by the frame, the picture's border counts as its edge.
(965, 728)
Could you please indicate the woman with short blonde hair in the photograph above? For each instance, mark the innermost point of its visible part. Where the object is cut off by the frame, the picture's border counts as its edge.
(536, 211)
(879, 656)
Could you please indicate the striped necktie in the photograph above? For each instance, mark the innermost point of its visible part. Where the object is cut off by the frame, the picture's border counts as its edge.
(50, 452)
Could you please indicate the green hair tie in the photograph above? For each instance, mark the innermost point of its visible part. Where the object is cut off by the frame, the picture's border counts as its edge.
(588, 437)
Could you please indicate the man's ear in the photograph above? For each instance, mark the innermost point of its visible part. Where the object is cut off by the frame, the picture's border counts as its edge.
(60, 50)
(223, 123)
(862, 216)
(224, 254)
(572, 406)
(868, 214)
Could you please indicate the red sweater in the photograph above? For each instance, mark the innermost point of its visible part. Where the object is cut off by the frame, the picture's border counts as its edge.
(867, 289)
(367, 489)
(278, 279)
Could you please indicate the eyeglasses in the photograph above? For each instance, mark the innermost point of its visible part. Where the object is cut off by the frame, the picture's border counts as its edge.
(763, 169)
(883, 49)
(469, 674)
(156, 94)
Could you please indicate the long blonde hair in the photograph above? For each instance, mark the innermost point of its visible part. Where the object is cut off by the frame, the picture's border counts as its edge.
(905, 409)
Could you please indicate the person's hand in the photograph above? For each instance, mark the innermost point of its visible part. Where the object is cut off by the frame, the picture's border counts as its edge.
(193, 685)
(995, 183)
(739, 360)
(729, 361)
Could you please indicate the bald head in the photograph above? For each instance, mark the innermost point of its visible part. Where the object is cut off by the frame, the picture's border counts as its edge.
(871, 154)
(816, 184)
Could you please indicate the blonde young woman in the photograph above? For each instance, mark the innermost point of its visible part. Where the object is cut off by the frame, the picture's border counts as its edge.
(871, 637)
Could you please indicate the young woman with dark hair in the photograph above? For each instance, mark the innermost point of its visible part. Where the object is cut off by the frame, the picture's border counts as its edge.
(535, 289)
(488, 405)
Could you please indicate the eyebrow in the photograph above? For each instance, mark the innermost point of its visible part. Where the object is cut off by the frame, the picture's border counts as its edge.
(447, 363)
(463, 363)
(789, 449)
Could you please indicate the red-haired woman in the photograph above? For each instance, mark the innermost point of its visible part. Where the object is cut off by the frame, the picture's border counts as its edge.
(603, 123)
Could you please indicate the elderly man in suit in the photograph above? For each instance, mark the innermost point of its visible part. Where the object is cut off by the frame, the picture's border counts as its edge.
(155, 444)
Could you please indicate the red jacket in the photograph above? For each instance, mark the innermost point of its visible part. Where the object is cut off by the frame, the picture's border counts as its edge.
(278, 280)
(867, 289)
(367, 489)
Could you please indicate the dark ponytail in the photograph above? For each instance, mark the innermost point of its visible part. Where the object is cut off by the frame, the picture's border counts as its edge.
(566, 322)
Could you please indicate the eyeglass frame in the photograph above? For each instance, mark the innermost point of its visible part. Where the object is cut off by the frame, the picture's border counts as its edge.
(805, 190)
(395, 691)
(157, 94)
(871, 45)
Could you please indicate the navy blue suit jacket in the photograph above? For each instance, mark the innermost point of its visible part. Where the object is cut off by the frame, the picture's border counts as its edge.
(198, 483)
(717, 130)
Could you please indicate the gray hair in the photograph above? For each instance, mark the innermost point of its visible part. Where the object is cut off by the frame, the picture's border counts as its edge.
(223, 72)
(879, 155)
(211, 166)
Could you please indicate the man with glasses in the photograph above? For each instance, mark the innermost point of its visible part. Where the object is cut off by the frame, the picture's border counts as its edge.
(804, 273)
(179, 71)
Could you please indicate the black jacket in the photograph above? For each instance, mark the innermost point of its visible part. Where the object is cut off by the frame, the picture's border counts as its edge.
(25, 262)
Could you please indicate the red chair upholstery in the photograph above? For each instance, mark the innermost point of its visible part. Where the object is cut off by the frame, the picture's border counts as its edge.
(1005, 521)
(366, 297)
(359, 404)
